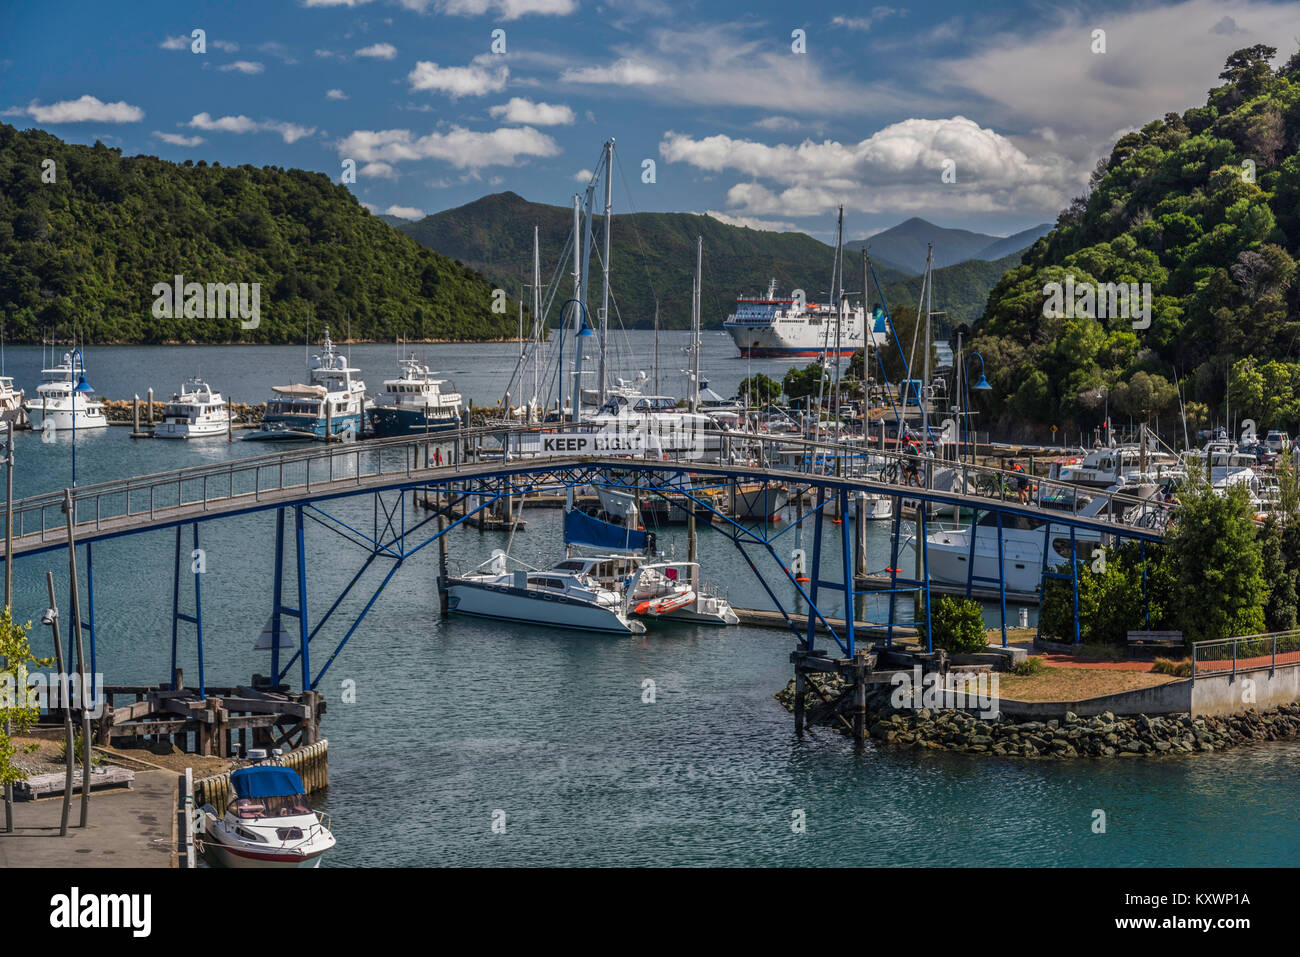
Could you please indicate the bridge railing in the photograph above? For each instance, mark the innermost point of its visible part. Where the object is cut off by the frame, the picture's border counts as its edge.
(1247, 653)
(778, 455)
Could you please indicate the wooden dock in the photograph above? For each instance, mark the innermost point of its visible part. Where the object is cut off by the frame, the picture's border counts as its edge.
(764, 618)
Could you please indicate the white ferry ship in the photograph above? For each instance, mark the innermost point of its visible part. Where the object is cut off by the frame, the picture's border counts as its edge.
(772, 328)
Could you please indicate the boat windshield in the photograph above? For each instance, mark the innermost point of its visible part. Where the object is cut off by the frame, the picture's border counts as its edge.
(286, 805)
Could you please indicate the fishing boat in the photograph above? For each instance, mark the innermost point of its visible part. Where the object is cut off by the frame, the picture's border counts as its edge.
(194, 412)
(330, 405)
(64, 399)
(557, 597)
(268, 824)
(414, 403)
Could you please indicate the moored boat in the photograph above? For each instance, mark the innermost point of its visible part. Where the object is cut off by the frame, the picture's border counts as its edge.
(414, 403)
(64, 400)
(193, 413)
(330, 406)
(268, 823)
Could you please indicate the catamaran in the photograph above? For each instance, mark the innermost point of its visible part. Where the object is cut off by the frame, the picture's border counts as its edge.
(414, 403)
(332, 404)
(64, 400)
(194, 412)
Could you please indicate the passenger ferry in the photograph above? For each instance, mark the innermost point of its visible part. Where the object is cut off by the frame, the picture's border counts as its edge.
(331, 404)
(413, 403)
(64, 399)
(194, 413)
(770, 327)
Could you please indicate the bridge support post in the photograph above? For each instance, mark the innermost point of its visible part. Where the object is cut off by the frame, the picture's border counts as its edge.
(846, 548)
(278, 596)
(816, 573)
(860, 696)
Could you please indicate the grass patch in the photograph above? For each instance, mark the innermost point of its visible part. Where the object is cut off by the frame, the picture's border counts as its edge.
(1072, 684)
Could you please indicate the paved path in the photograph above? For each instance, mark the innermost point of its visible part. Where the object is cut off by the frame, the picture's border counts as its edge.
(127, 828)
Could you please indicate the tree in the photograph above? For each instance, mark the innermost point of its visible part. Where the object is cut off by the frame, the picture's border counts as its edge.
(1219, 588)
(759, 389)
(799, 383)
(16, 714)
(957, 626)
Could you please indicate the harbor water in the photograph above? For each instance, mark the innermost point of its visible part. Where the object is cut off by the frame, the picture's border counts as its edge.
(666, 748)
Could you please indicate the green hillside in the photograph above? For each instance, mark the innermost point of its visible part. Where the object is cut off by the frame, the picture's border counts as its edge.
(1206, 208)
(82, 254)
(653, 254)
(960, 291)
(907, 244)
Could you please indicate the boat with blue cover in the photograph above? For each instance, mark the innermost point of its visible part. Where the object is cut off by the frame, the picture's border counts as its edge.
(268, 823)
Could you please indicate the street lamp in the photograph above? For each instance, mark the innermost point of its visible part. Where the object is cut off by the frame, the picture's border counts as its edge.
(1105, 424)
(981, 385)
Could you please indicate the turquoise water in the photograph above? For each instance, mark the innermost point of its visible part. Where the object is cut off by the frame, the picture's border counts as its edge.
(456, 720)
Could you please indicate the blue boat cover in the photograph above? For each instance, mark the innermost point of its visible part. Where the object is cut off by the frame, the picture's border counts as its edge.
(880, 325)
(265, 780)
(583, 529)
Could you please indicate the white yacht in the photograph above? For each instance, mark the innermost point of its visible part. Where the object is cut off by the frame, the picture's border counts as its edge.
(330, 405)
(1227, 465)
(194, 413)
(268, 823)
(64, 399)
(1104, 467)
(414, 403)
(11, 401)
(556, 597)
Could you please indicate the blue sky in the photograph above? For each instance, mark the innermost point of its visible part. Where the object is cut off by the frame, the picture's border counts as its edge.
(1014, 100)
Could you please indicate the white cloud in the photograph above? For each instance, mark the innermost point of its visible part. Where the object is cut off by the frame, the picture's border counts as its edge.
(330, 54)
(249, 67)
(457, 81)
(378, 51)
(770, 225)
(334, 3)
(379, 171)
(460, 147)
(335, 95)
(863, 24)
(86, 109)
(623, 72)
(522, 111)
(582, 176)
(405, 212)
(897, 168)
(175, 43)
(503, 9)
(226, 46)
(179, 139)
(778, 123)
(289, 132)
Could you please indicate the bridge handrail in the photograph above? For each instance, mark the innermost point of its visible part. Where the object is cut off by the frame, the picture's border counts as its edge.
(1245, 653)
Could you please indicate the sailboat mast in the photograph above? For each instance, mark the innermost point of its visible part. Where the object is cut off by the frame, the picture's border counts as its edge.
(656, 362)
(696, 322)
(578, 306)
(604, 289)
(837, 291)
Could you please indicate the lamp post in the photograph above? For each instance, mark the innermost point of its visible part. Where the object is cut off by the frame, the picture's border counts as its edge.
(1102, 391)
(981, 385)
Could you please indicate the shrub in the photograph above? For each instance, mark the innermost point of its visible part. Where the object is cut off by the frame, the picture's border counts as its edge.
(957, 626)
(1168, 666)
(1029, 667)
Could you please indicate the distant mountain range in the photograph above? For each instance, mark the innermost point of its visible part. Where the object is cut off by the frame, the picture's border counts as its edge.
(653, 258)
(906, 244)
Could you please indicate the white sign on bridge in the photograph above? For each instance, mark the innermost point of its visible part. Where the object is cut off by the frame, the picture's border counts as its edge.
(593, 443)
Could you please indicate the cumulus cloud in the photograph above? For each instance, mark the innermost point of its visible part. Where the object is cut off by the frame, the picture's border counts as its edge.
(522, 111)
(379, 171)
(457, 81)
(378, 51)
(405, 212)
(335, 95)
(622, 72)
(179, 139)
(897, 168)
(249, 67)
(503, 9)
(582, 176)
(770, 225)
(225, 46)
(462, 148)
(85, 109)
(175, 43)
(863, 24)
(289, 132)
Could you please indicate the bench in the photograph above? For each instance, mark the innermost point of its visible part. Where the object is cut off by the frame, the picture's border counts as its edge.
(1155, 639)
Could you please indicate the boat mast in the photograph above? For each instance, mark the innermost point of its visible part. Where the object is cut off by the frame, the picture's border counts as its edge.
(656, 362)
(695, 324)
(578, 307)
(537, 318)
(837, 288)
(604, 289)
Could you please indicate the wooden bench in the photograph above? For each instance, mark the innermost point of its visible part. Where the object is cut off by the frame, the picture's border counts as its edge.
(1155, 639)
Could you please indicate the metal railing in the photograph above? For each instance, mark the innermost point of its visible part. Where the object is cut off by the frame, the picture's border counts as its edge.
(772, 456)
(1248, 653)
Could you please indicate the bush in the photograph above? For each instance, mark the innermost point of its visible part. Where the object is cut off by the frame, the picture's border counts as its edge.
(1168, 666)
(1029, 667)
(957, 626)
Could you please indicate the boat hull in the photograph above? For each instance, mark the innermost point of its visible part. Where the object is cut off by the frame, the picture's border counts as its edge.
(181, 430)
(289, 427)
(533, 607)
(62, 418)
(388, 422)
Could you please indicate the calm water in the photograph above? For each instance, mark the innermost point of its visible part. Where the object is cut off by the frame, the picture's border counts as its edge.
(456, 720)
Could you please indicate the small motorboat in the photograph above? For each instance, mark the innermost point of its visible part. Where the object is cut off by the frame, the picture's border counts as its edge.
(268, 824)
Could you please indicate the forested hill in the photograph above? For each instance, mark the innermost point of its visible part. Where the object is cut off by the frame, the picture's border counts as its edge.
(82, 254)
(652, 256)
(1204, 206)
